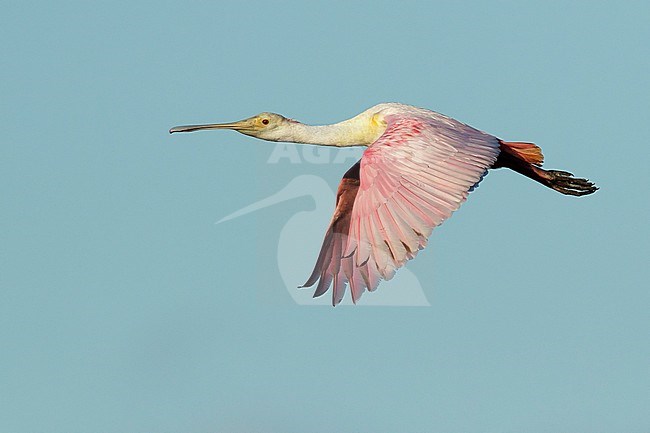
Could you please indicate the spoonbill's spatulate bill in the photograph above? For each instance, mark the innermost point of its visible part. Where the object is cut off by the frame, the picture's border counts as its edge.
(417, 170)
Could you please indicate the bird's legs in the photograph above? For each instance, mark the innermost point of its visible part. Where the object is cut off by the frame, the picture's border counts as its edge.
(560, 181)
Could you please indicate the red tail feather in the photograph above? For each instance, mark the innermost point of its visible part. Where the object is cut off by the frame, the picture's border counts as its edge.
(529, 152)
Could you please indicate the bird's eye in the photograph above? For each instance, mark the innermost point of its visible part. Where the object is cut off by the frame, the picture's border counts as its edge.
(265, 121)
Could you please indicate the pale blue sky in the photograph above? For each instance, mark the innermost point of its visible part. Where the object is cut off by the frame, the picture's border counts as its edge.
(124, 308)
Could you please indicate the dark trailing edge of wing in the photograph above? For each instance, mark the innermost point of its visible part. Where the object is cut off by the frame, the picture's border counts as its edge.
(328, 265)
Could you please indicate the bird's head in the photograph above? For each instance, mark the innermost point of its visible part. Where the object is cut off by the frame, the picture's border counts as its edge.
(267, 126)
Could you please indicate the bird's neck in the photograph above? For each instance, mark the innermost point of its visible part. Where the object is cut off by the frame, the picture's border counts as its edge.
(361, 130)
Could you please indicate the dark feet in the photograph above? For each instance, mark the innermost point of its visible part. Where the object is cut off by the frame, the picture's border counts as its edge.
(564, 182)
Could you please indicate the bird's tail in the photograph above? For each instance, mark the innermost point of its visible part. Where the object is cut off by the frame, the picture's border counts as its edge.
(527, 158)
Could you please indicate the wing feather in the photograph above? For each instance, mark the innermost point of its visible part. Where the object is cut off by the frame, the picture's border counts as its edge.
(407, 183)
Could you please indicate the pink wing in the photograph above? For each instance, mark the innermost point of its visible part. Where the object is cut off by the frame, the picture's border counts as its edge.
(409, 181)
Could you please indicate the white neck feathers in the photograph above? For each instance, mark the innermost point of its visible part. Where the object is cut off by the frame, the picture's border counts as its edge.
(361, 130)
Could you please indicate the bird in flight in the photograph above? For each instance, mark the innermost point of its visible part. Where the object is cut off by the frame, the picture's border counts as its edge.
(418, 168)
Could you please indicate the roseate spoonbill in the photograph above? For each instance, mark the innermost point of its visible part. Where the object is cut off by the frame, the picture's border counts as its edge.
(419, 166)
